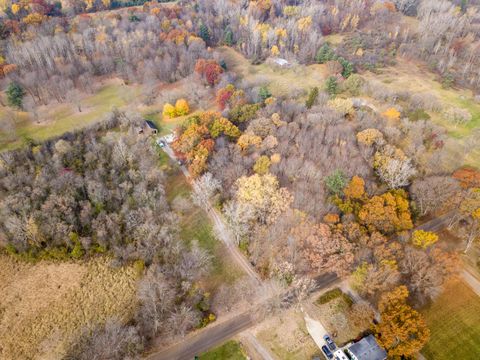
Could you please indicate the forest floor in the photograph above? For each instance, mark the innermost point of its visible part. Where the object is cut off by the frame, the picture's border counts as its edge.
(454, 322)
(45, 306)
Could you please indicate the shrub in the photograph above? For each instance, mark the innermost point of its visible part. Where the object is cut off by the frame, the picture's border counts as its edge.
(262, 165)
(457, 115)
(343, 106)
(243, 113)
(353, 84)
(369, 136)
(331, 86)
(417, 115)
(329, 296)
(447, 81)
(312, 96)
(392, 114)
(334, 294)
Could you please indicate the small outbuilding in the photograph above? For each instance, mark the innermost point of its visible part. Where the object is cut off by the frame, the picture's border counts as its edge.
(148, 127)
(281, 62)
(151, 127)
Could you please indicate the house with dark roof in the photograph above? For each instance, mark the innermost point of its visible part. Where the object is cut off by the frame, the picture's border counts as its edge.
(150, 128)
(366, 349)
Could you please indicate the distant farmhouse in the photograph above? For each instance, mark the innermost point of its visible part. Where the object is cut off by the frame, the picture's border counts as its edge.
(278, 62)
(148, 127)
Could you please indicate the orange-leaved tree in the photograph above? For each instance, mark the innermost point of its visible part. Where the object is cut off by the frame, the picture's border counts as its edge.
(387, 213)
(402, 330)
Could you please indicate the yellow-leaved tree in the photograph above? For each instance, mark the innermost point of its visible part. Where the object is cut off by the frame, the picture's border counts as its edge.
(263, 193)
(391, 114)
(169, 110)
(181, 107)
(424, 239)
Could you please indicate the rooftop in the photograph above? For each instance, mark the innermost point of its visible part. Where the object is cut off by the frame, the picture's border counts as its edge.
(150, 124)
(368, 349)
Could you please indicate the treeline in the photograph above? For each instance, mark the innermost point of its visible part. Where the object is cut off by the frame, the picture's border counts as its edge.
(84, 193)
(144, 47)
(373, 33)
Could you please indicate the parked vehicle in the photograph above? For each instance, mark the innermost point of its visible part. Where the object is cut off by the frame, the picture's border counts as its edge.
(327, 352)
(330, 343)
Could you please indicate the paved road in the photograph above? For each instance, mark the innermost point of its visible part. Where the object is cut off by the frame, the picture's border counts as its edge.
(438, 223)
(205, 339)
(217, 333)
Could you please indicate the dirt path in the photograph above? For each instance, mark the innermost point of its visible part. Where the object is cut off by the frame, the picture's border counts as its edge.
(221, 230)
(256, 350)
(472, 281)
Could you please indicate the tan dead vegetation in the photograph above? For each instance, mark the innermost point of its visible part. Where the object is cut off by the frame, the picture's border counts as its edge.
(286, 336)
(46, 306)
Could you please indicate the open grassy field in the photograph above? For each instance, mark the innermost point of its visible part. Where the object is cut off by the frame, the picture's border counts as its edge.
(55, 119)
(45, 306)
(231, 350)
(408, 75)
(454, 322)
(282, 82)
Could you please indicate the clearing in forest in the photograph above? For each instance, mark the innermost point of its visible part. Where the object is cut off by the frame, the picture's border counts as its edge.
(291, 81)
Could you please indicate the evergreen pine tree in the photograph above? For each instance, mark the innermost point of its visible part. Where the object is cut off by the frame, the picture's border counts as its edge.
(204, 33)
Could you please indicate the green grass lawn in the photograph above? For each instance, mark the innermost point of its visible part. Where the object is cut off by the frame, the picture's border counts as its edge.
(231, 350)
(454, 322)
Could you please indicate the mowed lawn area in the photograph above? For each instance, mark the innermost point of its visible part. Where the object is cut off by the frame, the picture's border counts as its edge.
(56, 119)
(454, 322)
(231, 350)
